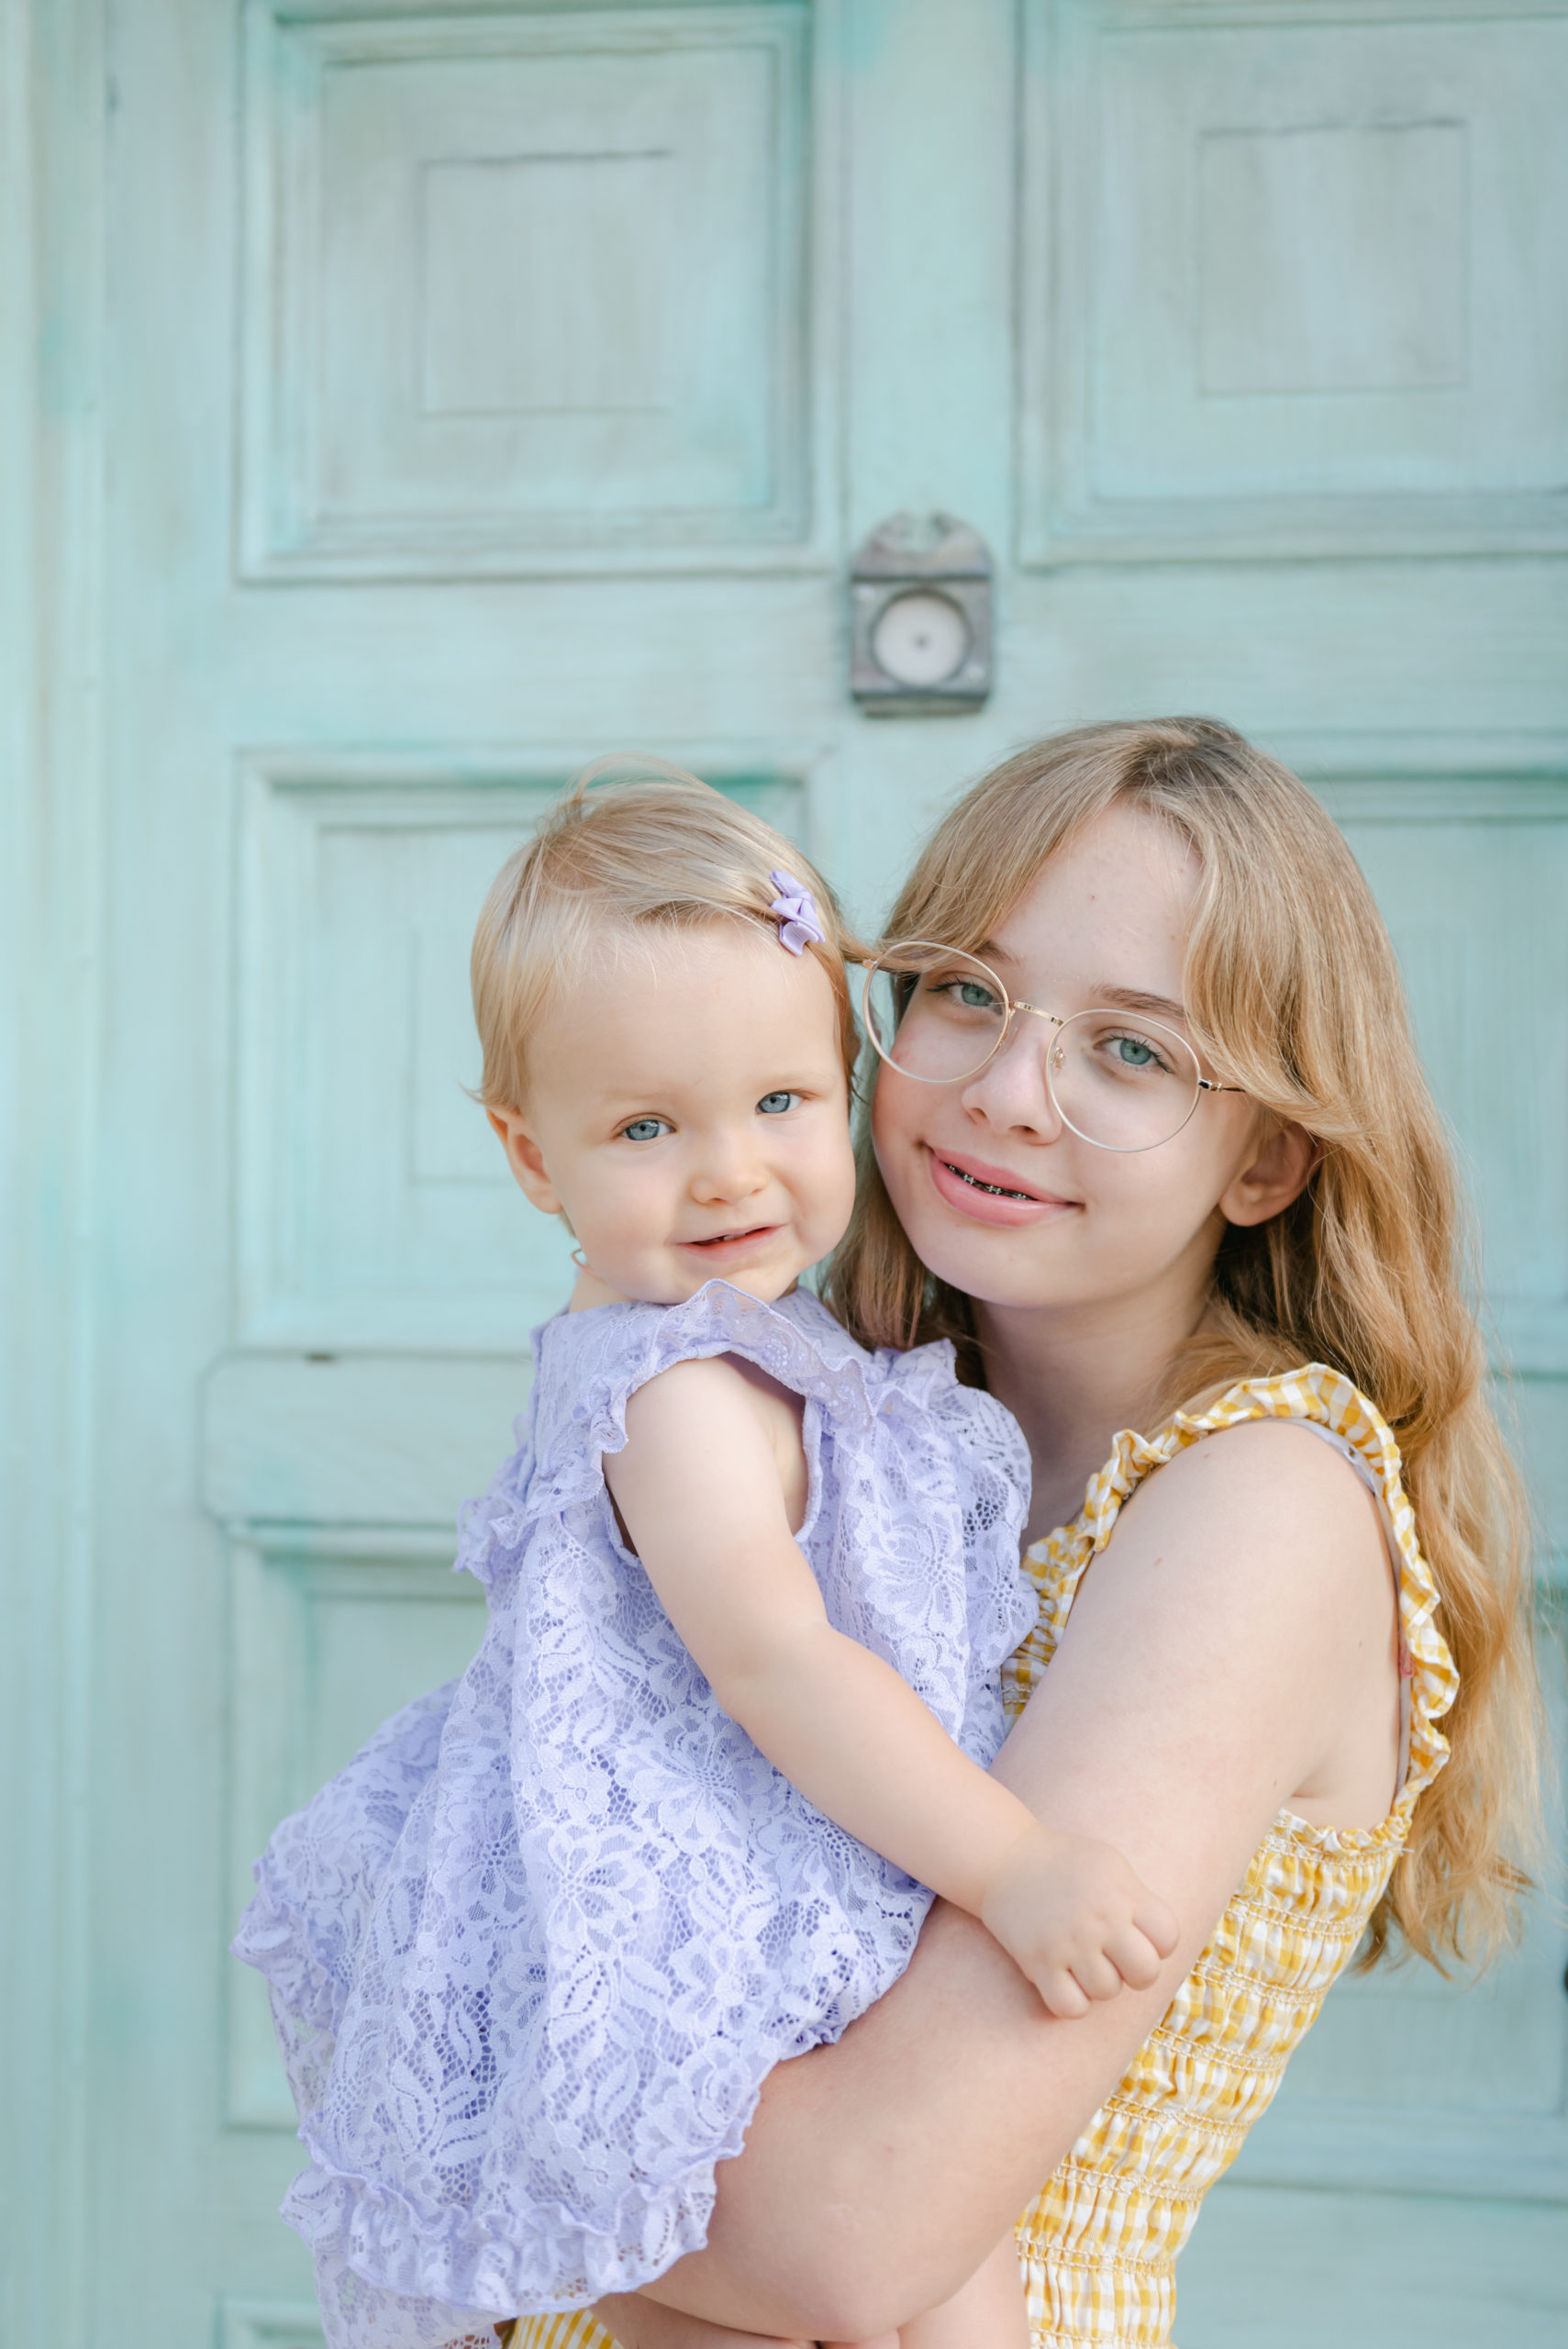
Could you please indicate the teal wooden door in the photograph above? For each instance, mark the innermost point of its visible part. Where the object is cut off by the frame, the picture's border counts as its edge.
(430, 397)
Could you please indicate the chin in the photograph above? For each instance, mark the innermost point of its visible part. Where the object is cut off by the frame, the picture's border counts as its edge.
(995, 1265)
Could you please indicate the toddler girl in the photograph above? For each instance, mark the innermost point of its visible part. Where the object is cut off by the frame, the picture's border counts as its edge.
(750, 1587)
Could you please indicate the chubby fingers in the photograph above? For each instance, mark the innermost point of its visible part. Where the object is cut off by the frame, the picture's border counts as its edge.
(1157, 1920)
(1060, 1993)
(1135, 1956)
(1129, 1959)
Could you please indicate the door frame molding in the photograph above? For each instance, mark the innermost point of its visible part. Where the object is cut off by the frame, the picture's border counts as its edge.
(53, 101)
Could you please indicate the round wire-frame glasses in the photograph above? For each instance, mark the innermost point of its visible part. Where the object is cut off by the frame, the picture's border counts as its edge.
(1117, 1079)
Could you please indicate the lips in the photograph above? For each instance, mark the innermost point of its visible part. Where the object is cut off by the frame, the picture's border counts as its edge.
(989, 1178)
(731, 1239)
(988, 1194)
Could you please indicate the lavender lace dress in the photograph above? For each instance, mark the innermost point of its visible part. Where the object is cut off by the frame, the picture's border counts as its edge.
(533, 1953)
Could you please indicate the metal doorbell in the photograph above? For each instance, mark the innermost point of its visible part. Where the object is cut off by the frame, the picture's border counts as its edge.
(920, 619)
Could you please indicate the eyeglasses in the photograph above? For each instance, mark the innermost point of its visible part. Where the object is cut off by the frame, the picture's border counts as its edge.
(1117, 1080)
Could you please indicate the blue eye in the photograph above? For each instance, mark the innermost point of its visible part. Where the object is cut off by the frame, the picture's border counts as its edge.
(773, 1105)
(1132, 1055)
(964, 994)
(647, 1128)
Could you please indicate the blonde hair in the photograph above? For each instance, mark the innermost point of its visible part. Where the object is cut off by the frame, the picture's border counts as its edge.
(1292, 993)
(657, 853)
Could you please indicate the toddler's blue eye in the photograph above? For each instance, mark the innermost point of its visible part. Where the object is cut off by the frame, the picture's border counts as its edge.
(773, 1105)
(646, 1128)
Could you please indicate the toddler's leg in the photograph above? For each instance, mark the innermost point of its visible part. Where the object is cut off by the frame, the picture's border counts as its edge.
(987, 2313)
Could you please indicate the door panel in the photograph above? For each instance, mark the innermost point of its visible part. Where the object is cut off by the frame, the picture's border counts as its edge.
(330, 1630)
(1286, 277)
(499, 384)
(525, 287)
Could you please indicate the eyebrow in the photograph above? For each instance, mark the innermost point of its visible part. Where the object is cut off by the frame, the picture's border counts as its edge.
(1115, 998)
(1158, 1006)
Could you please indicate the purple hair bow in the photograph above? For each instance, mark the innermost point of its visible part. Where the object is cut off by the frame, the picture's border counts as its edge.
(794, 910)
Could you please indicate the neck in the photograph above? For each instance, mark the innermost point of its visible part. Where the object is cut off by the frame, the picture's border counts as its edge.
(588, 1291)
(1072, 1376)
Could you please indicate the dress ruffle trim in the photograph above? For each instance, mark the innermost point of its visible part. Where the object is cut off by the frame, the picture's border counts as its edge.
(295, 1930)
(457, 2261)
(1313, 1392)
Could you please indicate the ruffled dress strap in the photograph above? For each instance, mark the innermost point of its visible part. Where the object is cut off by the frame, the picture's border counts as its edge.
(1321, 1397)
(590, 1364)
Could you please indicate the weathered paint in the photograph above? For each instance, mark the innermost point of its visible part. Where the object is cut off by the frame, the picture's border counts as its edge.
(356, 571)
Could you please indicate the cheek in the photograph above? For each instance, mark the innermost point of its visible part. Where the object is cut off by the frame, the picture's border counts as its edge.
(895, 1134)
(618, 1198)
(893, 1109)
(826, 1182)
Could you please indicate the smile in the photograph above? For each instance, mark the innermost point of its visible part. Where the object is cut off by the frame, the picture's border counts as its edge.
(996, 1190)
(727, 1238)
(983, 1194)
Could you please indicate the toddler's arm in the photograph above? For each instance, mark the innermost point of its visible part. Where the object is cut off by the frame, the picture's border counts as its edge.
(698, 1486)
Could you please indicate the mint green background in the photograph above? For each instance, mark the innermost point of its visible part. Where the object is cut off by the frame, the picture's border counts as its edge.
(352, 492)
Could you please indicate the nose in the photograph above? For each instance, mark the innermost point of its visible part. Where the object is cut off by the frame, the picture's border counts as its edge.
(1010, 1093)
(731, 1166)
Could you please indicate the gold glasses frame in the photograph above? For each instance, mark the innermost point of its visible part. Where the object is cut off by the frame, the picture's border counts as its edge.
(1059, 1020)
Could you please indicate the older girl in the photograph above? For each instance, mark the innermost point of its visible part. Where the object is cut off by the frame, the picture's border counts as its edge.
(1280, 1657)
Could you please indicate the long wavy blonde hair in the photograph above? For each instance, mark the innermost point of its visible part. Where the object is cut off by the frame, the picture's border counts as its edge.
(1292, 993)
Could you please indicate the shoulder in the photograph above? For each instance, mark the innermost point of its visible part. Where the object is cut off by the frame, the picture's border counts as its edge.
(711, 1416)
(1260, 1517)
(1273, 1467)
(705, 1385)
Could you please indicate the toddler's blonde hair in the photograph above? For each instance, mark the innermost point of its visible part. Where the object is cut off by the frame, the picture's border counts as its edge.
(653, 851)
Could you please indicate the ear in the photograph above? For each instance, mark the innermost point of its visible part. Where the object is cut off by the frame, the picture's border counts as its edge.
(524, 1159)
(1285, 1165)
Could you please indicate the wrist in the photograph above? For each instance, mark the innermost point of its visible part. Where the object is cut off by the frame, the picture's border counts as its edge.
(1022, 1857)
(1020, 1847)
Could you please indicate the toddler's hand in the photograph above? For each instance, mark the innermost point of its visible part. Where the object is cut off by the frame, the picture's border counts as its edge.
(1070, 1913)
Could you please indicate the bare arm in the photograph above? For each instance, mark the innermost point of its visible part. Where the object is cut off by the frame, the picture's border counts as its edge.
(698, 1487)
(1207, 1672)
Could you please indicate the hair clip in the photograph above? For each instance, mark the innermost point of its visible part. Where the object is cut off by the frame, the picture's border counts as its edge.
(794, 910)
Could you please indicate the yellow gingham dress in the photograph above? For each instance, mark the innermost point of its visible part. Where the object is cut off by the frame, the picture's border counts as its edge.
(1098, 2245)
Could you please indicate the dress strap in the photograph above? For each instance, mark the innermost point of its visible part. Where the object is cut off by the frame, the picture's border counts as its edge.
(1327, 1401)
(1347, 1452)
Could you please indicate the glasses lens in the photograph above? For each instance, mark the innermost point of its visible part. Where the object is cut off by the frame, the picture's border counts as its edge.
(1125, 1083)
(933, 1014)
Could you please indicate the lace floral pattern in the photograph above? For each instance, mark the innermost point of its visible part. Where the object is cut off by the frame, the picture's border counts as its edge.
(533, 1953)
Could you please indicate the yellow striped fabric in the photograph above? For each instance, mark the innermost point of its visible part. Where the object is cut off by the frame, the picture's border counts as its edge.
(1099, 2246)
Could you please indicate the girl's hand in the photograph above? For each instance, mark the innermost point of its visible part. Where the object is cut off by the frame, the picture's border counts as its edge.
(1073, 1917)
(637, 2323)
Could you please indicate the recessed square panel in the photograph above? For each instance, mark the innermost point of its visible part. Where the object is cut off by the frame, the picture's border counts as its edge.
(525, 289)
(541, 286)
(1292, 282)
(331, 1632)
(1472, 879)
(1332, 259)
(375, 1206)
